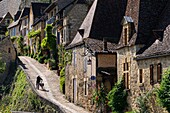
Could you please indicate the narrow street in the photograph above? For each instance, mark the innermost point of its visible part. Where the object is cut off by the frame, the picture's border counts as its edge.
(51, 85)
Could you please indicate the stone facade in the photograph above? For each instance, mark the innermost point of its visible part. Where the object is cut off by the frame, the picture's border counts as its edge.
(79, 88)
(74, 17)
(8, 53)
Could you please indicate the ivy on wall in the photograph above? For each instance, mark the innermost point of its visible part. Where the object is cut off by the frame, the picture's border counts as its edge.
(65, 58)
(20, 40)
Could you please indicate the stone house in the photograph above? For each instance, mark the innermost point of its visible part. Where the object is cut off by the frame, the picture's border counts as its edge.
(8, 54)
(94, 59)
(24, 24)
(137, 42)
(138, 59)
(4, 23)
(36, 12)
(13, 28)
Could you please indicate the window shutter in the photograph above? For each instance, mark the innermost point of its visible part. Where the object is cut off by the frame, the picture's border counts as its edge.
(141, 76)
(151, 75)
(127, 78)
(159, 72)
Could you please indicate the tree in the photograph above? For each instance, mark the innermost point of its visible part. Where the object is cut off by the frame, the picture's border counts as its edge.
(163, 93)
(117, 97)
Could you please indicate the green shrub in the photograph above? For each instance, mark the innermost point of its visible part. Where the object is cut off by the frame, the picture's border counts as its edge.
(41, 59)
(117, 97)
(62, 80)
(163, 93)
(31, 55)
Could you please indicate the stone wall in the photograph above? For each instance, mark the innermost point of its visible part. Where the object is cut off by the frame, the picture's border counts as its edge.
(8, 55)
(77, 72)
(73, 20)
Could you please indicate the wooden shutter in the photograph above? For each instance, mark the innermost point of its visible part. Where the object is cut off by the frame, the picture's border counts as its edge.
(127, 78)
(151, 75)
(141, 76)
(159, 72)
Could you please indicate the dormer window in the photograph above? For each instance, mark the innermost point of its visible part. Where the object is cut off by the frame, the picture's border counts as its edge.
(128, 28)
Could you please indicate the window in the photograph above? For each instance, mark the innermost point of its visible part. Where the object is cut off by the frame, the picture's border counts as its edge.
(155, 73)
(151, 75)
(85, 87)
(159, 72)
(125, 36)
(9, 50)
(140, 76)
(126, 74)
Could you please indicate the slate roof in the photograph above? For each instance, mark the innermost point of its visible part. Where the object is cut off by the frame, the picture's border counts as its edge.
(161, 46)
(101, 22)
(13, 24)
(9, 6)
(51, 6)
(38, 8)
(17, 15)
(158, 48)
(25, 12)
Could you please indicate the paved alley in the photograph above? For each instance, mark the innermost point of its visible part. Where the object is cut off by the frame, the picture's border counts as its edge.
(51, 85)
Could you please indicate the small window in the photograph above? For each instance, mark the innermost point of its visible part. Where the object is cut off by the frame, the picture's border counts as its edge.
(85, 87)
(159, 72)
(9, 50)
(151, 75)
(140, 76)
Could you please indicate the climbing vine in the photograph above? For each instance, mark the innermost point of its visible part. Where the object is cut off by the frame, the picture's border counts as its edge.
(64, 59)
(48, 44)
(20, 40)
(33, 34)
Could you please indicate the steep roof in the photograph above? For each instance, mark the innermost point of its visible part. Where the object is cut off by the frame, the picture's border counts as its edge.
(7, 15)
(38, 8)
(17, 15)
(13, 24)
(9, 6)
(162, 44)
(102, 21)
(25, 12)
(158, 48)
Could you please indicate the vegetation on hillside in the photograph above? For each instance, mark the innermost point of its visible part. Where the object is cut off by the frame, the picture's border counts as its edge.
(20, 97)
(163, 93)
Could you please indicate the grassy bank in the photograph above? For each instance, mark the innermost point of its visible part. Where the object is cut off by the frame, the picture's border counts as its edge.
(18, 96)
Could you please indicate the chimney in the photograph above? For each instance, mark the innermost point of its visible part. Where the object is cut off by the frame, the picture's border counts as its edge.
(104, 44)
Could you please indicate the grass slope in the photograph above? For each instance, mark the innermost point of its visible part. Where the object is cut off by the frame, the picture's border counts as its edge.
(20, 97)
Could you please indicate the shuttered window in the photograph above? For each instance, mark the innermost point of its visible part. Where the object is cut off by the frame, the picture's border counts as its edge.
(151, 75)
(126, 74)
(140, 76)
(159, 72)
